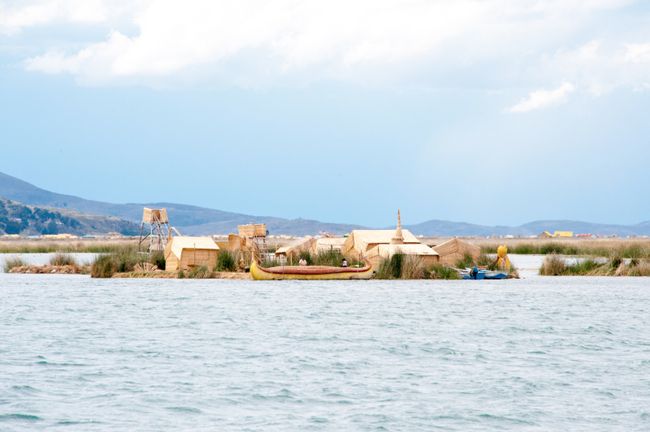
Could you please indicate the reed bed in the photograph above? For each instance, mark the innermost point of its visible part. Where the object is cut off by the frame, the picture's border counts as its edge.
(123, 260)
(14, 262)
(62, 259)
(555, 265)
(596, 248)
(401, 266)
(65, 246)
(199, 272)
(226, 261)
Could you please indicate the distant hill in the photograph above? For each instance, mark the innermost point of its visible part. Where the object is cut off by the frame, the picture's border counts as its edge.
(446, 228)
(196, 220)
(187, 218)
(17, 218)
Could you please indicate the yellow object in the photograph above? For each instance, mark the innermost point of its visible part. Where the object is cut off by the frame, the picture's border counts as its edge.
(503, 262)
(563, 234)
(287, 273)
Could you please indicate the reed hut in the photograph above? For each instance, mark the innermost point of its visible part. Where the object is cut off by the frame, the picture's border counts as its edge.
(327, 244)
(454, 250)
(293, 249)
(359, 242)
(375, 245)
(183, 253)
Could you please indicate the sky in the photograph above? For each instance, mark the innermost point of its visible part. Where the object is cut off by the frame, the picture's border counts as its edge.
(490, 112)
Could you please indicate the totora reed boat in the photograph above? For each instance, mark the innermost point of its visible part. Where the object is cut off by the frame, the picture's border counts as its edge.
(309, 272)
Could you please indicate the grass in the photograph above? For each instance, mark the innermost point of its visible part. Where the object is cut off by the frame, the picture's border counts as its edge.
(226, 262)
(270, 262)
(557, 266)
(306, 255)
(466, 261)
(413, 268)
(199, 272)
(62, 259)
(122, 261)
(639, 269)
(401, 266)
(332, 258)
(158, 259)
(607, 248)
(390, 268)
(76, 246)
(104, 266)
(438, 271)
(13, 262)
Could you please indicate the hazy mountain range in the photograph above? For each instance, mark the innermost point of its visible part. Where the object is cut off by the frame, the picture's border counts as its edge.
(125, 218)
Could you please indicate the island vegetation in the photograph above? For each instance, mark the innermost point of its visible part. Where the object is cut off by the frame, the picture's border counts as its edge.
(555, 265)
(624, 248)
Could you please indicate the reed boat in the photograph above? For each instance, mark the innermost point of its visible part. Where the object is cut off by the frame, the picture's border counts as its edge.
(309, 272)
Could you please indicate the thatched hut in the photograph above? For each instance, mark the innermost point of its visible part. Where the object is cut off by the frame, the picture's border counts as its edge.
(293, 249)
(183, 253)
(375, 245)
(455, 250)
(359, 242)
(327, 244)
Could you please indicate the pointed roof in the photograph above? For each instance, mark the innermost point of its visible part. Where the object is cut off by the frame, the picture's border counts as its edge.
(398, 238)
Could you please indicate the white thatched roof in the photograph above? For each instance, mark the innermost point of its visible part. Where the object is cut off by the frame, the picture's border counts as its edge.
(388, 250)
(327, 243)
(302, 243)
(457, 246)
(186, 242)
(363, 238)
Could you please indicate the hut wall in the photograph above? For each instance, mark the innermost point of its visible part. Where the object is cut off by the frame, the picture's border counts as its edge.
(171, 262)
(198, 257)
(451, 259)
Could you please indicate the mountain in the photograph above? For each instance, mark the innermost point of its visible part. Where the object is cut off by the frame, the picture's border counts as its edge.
(17, 218)
(194, 220)
(446, 228)
(191, 220)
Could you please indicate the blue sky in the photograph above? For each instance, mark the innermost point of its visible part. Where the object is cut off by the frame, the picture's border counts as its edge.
(495, 112)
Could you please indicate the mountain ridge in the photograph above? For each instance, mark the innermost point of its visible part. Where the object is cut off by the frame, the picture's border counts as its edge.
(196, 220)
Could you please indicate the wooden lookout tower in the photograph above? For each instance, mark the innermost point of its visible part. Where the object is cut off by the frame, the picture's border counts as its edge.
(155, 227)
(256, 235)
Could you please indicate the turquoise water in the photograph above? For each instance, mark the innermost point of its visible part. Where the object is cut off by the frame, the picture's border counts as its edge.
(165, 355)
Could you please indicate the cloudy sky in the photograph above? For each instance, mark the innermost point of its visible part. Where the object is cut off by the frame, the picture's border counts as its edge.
(491, 111)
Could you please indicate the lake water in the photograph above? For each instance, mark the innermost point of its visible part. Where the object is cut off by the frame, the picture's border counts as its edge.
(78, 354)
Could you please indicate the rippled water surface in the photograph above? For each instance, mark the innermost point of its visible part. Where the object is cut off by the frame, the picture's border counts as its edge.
(78, 354)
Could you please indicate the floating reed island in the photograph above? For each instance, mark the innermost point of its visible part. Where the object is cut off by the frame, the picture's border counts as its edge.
(59, 264)
(162, 252)
(362, 254)
(555, 265)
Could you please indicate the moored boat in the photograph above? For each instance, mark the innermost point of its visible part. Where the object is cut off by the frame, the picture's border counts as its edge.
(478, 274)
(309, 272)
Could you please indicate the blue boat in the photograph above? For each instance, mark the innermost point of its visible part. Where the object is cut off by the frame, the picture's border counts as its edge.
(479, 274)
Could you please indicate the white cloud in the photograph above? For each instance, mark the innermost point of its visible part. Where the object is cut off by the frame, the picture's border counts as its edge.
(248, 41)
(543, 99)
(27, 14)
(600, 67)
(637, 53)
